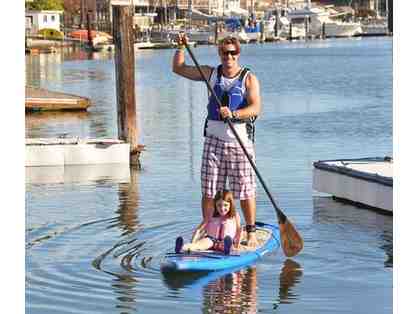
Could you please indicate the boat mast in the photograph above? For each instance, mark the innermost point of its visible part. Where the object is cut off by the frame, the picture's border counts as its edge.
(190, 14)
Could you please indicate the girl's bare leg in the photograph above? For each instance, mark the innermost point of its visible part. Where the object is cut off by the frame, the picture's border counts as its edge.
(200, 245)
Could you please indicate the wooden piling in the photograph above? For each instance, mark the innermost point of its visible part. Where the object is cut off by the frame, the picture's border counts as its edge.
(89, 37)
(276, 24)
(216, 32)
(324, 34)
(290, 31)
(123, 37)
(390, 16)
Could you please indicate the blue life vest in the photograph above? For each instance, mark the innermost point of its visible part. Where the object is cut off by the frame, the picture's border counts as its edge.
(234, 98)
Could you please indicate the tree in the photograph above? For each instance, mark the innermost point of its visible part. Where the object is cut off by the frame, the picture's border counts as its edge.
(45, 5)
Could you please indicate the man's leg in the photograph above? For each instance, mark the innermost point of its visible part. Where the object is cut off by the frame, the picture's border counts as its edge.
(207, 208)
(249, 209)
(212, 176)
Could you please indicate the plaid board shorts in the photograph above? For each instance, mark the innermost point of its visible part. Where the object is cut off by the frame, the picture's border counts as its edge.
(222, 160)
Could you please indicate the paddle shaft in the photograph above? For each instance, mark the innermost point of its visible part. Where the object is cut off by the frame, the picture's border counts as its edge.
(280, 214)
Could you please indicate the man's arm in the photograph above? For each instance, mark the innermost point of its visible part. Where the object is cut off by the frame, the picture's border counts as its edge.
(191, 72)
(253, 98)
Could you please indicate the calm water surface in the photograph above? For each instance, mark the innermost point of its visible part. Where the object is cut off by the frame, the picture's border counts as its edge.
(95, 235)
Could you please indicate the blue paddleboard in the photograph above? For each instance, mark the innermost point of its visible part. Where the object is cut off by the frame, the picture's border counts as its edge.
(267, 235)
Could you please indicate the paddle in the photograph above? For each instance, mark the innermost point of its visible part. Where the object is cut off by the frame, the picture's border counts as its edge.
(290, 239)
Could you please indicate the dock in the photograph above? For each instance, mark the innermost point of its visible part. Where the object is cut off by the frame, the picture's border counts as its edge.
(144, 45)
(41, 152)
(364, 181)
(78, 173)
(38, 99)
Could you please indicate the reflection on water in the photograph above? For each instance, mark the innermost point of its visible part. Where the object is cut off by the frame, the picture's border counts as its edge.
(348, 217)
(233, 293)
(129, 203)
(126, 294)
(40, 124)
(236, 291)
(290, 275)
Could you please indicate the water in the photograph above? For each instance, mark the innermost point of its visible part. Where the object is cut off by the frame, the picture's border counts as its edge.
(95, 235)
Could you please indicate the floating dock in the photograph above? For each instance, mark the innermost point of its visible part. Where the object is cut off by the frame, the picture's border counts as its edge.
(38, 99)
(144, 45)
(78, 174)
(364, 181)
(74, 151)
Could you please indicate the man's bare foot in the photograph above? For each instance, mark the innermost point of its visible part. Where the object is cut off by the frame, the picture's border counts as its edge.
(252, 240)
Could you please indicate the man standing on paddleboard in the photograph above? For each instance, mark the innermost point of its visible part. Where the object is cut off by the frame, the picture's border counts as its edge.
(223, 159)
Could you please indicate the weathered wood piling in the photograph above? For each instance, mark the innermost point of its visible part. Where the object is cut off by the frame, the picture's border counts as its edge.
(123, 37)
(276, 24)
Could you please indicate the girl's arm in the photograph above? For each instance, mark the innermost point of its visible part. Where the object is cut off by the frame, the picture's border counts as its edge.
(198, 232)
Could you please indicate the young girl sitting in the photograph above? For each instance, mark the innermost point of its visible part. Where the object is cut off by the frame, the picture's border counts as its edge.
(222, 230)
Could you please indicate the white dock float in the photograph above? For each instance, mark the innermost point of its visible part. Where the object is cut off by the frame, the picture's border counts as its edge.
(75, 151)
(81, 174)
(368, 181)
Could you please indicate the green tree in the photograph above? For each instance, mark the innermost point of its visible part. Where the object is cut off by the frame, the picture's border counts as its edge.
(45, 5)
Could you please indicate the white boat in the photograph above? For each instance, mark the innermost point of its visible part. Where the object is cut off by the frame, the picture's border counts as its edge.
(283, 28)
(315, 20)
(253, 36)
(375, 28)
(241, 35)
(200, 36)
(320, 18)
(365, 181)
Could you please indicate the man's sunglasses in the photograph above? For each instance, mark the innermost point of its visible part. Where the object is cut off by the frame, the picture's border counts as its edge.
(231, 52)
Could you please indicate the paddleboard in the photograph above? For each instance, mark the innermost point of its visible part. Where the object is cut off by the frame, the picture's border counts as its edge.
(268, 237)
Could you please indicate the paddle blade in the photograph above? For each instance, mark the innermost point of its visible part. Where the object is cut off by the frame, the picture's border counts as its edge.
(291, 241)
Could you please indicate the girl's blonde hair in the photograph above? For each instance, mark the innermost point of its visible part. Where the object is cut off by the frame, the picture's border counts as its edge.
(227, 196)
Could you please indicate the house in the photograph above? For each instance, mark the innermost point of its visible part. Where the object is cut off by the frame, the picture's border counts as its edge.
(38, 20)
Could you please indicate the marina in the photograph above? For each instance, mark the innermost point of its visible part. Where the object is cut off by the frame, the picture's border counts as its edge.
(207, 23)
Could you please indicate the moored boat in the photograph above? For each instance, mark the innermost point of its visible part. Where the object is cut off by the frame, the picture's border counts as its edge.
(365, 181)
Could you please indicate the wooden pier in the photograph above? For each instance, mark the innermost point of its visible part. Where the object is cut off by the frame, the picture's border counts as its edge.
(38, 99)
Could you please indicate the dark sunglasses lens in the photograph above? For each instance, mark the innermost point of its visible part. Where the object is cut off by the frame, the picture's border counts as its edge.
(230, 52)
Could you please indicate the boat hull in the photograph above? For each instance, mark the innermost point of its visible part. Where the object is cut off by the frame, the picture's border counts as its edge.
(365, 181)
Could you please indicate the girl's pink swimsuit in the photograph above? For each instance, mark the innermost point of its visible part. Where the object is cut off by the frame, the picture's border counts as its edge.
(218, 228)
